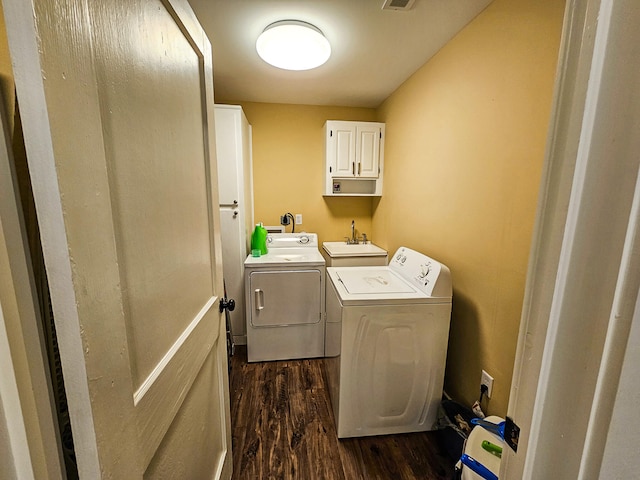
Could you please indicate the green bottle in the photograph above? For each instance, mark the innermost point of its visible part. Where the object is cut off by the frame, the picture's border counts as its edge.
(259, 239)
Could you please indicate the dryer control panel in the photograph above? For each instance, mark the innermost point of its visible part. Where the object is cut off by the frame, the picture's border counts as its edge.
(425, 273)
(292, 240)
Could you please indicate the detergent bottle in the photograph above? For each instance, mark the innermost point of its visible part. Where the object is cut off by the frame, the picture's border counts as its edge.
(259, 240)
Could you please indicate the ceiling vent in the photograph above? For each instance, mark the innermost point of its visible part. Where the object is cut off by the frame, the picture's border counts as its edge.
(398, 4)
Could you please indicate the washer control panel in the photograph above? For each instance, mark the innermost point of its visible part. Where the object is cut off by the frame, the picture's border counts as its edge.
(420, 270)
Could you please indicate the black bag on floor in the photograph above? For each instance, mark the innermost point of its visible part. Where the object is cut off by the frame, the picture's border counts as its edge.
(454, 427)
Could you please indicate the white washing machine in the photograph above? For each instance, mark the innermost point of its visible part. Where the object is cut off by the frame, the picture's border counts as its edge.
(386, 341)
(284, 297)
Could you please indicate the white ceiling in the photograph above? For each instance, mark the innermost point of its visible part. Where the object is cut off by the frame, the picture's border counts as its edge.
(373, 50)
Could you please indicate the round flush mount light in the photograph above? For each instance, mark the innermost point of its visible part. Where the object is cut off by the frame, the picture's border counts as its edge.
(293, 45)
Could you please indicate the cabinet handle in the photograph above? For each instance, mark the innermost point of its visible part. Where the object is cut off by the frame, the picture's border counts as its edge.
(353, 168)
(359, 167)
(259, 299)
(235, 213)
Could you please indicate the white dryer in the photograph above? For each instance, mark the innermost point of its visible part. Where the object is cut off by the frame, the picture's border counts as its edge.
(386, 341)
(284, 297)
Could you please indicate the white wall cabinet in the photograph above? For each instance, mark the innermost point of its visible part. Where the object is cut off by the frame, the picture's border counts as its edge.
(235, 189)
(354, 158)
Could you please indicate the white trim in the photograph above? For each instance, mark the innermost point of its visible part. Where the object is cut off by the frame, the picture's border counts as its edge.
(622, 316)
(12, 409)
(594, 273)
(22, 324)
(555, 189)
(166, 359)
(23, 43)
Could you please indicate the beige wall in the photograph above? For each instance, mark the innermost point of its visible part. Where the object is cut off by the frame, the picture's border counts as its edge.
(465, 147)
(288, 162)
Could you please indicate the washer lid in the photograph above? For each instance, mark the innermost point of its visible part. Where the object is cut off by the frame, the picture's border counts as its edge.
(377, 285)
(373, 281)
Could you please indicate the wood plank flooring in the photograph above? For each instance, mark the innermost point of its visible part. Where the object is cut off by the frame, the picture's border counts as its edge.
(282, 428)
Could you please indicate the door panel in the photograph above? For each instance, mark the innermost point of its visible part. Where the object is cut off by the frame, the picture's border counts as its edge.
(227, 152)
(157, 172)
(233, 261)
(285, 297)
(117, 107)
(368, 151)
(201, 401)
(344, 149)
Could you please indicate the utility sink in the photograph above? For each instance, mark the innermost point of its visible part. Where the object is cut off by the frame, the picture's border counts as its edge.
(351, 249)
(341, 254)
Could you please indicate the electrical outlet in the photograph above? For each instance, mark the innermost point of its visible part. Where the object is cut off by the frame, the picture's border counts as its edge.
(488, 381)
(298, 219)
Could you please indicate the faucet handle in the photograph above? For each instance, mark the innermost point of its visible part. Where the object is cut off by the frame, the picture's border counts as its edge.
(347, 240)
(364, 238)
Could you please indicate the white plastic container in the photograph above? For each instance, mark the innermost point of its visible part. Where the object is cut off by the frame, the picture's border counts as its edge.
(473, 448)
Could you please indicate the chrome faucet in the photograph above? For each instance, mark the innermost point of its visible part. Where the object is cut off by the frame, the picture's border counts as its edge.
(353, 240)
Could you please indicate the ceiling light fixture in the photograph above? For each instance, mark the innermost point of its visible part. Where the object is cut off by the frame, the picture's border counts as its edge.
(293, 45)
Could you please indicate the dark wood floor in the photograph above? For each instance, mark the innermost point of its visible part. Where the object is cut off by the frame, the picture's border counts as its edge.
(283, 428)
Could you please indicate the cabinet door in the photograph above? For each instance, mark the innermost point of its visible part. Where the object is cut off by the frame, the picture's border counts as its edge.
(342, 148)
(229, 151)
(368, 150)
(233, 256)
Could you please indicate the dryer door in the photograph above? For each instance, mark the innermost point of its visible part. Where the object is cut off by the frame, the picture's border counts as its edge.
(289, 297)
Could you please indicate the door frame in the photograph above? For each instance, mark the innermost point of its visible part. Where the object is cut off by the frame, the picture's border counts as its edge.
(29, 420)
(571, 345)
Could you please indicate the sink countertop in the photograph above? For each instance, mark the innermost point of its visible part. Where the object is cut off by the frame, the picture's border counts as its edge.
(342, 249)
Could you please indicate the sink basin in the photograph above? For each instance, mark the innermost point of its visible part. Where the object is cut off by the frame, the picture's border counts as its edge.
(342, 249)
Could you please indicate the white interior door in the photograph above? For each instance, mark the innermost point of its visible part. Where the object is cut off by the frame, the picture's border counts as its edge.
(117, 107)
